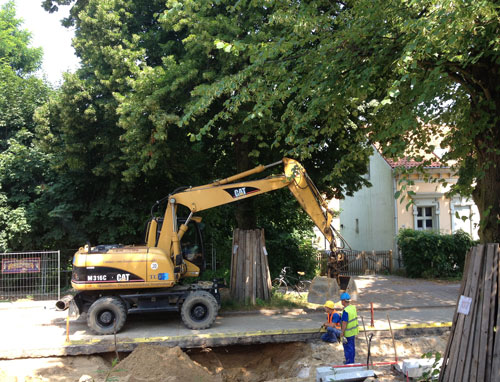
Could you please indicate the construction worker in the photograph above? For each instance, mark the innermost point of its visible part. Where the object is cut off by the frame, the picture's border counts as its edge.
(332, 324)
(349, 327)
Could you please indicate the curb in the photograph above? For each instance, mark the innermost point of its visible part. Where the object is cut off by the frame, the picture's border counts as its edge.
(297, 311)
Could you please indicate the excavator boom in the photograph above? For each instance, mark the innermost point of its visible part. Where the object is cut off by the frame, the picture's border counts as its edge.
(233, 189)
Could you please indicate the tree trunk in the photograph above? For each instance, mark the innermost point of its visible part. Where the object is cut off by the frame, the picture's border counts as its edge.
(485, 110)
(486, 195)
(245, 212)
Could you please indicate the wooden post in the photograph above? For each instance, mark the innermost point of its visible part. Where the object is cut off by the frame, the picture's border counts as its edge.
(250, 278)
(253, 259)
(265, 268)
(240, 274)
(258, 258)
(363, 263)
(391, 264)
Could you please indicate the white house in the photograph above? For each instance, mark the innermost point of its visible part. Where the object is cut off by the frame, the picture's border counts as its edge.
(371, 218)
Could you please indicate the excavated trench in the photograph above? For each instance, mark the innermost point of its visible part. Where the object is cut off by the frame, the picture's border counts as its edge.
(252, 363)
(244, 363)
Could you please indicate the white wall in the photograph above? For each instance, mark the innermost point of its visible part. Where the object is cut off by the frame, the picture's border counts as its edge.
(367, 218)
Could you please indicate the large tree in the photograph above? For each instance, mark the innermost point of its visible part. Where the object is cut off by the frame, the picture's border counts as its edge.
(394, 72)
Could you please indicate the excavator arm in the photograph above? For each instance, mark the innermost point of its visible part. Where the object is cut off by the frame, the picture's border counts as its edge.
(233, 189)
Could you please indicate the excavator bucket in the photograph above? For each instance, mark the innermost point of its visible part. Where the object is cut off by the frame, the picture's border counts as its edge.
(324, 288)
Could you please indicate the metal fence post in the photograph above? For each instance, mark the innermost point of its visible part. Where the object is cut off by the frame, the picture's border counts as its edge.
(58, 275)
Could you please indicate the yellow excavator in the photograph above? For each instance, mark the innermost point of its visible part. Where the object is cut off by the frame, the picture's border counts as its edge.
(113, 281)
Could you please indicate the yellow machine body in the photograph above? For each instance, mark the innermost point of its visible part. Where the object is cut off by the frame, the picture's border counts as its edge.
(125, 267)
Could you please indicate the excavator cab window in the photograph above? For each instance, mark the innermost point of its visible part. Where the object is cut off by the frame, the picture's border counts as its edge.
(192, 244)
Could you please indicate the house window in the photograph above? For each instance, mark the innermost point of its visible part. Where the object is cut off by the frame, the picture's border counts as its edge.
(425, 219)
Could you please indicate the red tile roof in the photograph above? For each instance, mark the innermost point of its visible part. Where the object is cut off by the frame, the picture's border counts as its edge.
(410, 163)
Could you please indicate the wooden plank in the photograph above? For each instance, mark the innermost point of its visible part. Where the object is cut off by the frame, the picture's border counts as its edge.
(258, 267)
(476, 352)
(495, 367)
(485, 315)
(462, 333)
(451, 359)
(472, 318)
(446, 354)
(493, 307)
(253, 259)
(247, 266)
(266, 266)
(241, 268)
(232, 282)
(262, 271)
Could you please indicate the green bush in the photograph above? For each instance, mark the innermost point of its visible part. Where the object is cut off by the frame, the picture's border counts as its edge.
(433, 255)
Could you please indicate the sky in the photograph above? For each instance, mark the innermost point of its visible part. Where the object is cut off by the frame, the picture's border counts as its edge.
(48, 33)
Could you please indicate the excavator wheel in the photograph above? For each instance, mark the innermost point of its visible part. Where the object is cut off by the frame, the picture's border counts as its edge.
(199, 310)
(106, 315)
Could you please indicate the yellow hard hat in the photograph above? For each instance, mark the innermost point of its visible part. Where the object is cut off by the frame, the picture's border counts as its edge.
(329, 304)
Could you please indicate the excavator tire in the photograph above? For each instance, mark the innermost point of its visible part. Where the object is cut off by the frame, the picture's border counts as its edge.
(107, 315)
(199, 310)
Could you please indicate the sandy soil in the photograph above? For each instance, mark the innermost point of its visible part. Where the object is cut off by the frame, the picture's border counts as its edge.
(293, 362)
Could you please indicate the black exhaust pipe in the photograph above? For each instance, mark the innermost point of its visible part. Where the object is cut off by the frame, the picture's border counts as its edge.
(63, 303)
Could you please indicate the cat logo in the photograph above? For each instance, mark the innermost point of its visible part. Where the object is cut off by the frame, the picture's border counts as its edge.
(238, 192)
(122, 277)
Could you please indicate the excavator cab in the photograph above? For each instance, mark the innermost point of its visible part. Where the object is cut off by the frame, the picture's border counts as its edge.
(192, 246)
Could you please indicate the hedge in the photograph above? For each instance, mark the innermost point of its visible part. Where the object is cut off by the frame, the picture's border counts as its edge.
(430, 254)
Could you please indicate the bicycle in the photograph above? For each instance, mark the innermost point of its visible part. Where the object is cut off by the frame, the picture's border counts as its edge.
(284, 283)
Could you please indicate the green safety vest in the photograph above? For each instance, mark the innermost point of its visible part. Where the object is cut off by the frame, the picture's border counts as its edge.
(352, 325)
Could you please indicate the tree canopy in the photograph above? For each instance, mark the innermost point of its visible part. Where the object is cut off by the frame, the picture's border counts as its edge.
(390, 72)
(23, 165)
(181, 92)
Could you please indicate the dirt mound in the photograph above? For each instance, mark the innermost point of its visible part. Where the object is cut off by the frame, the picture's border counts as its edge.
(160, 364)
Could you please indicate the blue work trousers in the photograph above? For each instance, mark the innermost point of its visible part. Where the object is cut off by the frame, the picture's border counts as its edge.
(350, 349)
(331, 335)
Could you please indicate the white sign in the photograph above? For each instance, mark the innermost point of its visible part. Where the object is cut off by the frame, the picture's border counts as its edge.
(464, 305)
(154, 266)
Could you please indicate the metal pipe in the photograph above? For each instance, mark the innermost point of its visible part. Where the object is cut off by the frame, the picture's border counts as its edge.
(396, 230)
(371, 311)
(63, 303)
(393, 342)
(244, 174)
(366, 338)
(189, 218)
(174, 217)
(274, 164)
(364, 364)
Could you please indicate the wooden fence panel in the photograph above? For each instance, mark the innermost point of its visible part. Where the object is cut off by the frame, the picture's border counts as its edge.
(473, 349)
(250, 277)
